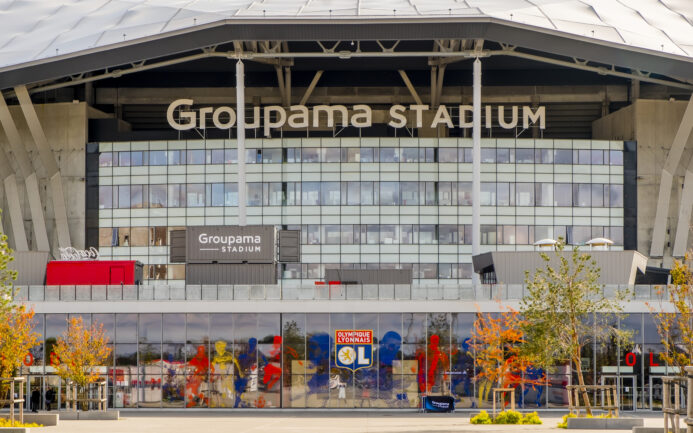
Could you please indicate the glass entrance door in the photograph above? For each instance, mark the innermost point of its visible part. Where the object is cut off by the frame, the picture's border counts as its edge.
(627, 388)
(656, 393)
(34, 393)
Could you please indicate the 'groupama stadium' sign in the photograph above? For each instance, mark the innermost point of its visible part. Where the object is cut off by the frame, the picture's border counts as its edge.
(182, 115)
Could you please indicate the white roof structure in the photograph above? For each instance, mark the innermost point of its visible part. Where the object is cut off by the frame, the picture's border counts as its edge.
(42, 31)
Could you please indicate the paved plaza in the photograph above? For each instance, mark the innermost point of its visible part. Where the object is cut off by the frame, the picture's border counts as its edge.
(306, 422)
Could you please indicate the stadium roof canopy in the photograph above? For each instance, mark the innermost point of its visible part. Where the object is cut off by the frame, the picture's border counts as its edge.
(45, 40)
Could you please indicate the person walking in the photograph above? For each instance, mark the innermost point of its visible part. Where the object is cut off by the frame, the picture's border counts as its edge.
(50, 395)
(35, 399)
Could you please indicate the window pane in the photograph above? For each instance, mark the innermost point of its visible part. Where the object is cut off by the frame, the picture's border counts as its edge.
(105, 197)
(195, 195)
(563, 156)
(176, 195)
(582, 193)
(331, 154)
(271, 156)
(389, 234)
(597, 157)
(427, 234)
(616, 195)
(389, 154)
(157, 196)
(368, 193)
(410, 193)
(231, 194)
(330, 193)
(447, 234)
(124, 159)
(488, 155)
(158, 157)
(174, 157)
(597, 195)
(124, 197)
(615, 157)
(503, 194)
(254, 193)
(447, 154)
(524, 194)
(464, 193)
(196, 156)
(488, 194)
(217, 194)
(368, 154)
(524, 156)
(353, 193)
(544, 194)
(106, 159)
(389, 193)
(310, 154)
(310, 195)
(563, 194)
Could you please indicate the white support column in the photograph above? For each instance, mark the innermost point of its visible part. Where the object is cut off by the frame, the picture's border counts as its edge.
(670, 165)
(27, 171)
(50, 165)
(240, 124)
(685, 207)
(14, 211)
(476, 169)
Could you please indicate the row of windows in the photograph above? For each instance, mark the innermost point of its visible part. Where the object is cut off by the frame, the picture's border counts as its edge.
(361, 154)
(388, 234)
(361, 193)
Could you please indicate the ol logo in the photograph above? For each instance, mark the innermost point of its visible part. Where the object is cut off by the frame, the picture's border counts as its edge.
(354, 348)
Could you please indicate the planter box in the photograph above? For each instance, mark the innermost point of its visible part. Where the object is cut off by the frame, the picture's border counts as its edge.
(605, 423)
(45, 418)
(109, 415)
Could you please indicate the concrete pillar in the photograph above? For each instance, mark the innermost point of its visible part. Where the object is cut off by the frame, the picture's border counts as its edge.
(50, 165)
(476, 169)
(670, 165)
(27, 171)
(240, 124)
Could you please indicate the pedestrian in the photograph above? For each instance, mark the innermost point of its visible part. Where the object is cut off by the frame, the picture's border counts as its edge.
(50, 394)
(35, 399)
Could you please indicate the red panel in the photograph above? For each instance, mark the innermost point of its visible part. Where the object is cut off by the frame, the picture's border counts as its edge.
(90, 272)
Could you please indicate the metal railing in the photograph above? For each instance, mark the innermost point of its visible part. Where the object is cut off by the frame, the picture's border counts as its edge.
(304, 292)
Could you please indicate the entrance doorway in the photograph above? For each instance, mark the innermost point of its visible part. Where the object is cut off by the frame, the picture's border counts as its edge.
(627, 389)
(34, 383)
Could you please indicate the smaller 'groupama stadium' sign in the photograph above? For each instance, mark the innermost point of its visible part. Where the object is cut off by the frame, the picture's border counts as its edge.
(181, 115)
(230, 244)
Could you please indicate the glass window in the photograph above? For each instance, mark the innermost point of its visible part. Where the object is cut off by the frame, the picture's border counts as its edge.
(124, 197)
(368, 154)
(488, 234)
(488, 155)
(293, 154)
(329, 192)
(331, 154)
(447, 154)
(253, 156)
(353, 154)
(524, 194)
(447, 193)
(389, 193)
(217, 156)
(578, 235)
(465, 154)
(521, 235)
(271, 156)
(563, 156)
(544, 156)
(389, 234)
(427, 234)
(615, 157)
(389, 154)
(544, 194)
(310, 154)
(254, 193)
(407, 234)
(310, 195)
(504, 155)
(616, 196)
(157, 196)
(524, 156)
(124, 159)
(313, 234)
(563, 194)
(584, 156)
(506, 235)
(158, 236)
(353, 197)
(105, 197)
(347, 234)
(369, 192)
(158, 157)
(464, 193)
(231, 194)
(428, 193)
(276, 194)
(503, 194)
(230, 156)
(597, 157)
(138, 195)
(410, 193)
(195, 195)
(196, 156)
(139, 237)
(174, 157)
(447, 234)
(217, 194)
(428, 154)
(488, 194)
(106, 159)
(372, 234)
(150, 328)
(597, 195)
(410, 154)
(582, 193)
(176, 195)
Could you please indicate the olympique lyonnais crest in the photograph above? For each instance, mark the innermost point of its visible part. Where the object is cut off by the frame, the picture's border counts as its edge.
(354, 348)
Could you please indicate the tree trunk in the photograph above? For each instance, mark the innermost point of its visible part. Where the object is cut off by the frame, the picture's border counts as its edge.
(581, 382)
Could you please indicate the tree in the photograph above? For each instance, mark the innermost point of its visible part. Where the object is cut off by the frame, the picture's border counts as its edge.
(564, 309)
(497, 341)
(675, 327)
(17, 336)
(80, 351)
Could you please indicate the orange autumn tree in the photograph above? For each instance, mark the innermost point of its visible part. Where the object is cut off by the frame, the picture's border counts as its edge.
(17, 336)
(496, 343)
(81, 349)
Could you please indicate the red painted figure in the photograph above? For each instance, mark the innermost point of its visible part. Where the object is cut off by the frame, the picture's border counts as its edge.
(200, 363)
(436, 359)
(273, 369)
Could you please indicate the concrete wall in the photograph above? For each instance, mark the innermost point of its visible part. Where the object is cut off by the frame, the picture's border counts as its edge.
(653, 124)
(65, 126)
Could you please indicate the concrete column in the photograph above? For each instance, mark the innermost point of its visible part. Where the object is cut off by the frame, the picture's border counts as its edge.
(476, 169)
(50, 165)
(240, 124)
(685, 208)
(27, 171)
(670, 166)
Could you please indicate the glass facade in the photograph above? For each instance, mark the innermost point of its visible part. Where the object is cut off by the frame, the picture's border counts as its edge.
(360, 203)
(271, 360)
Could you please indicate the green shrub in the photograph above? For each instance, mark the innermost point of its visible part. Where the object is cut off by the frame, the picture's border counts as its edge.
(4, 422)
(531, 418)
(564, 420)
(508, 417)
(481, 418)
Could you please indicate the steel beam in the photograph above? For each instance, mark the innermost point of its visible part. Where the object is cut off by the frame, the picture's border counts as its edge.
(670, 165)
(49, 164)
(14, 210)
(410, 86)
(476, 170)
(311, 87)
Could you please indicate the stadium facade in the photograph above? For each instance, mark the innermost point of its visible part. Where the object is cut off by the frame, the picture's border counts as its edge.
(379, 149)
